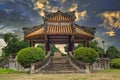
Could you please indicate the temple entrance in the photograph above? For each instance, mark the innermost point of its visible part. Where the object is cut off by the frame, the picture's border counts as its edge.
(59, 39)
(59, 28)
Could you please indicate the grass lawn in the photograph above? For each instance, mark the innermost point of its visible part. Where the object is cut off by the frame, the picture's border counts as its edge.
(109, 74)
(7, 71)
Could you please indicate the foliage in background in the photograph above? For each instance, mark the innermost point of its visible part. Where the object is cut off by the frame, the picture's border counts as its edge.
(75, 47)
(85, 54)
(30, 55)
(7, 37)
(14, 44)
(66, 48)
(94, 45)
(115, 63)
(79, 45)
(41, 46)
(113, 52)
(54, 49)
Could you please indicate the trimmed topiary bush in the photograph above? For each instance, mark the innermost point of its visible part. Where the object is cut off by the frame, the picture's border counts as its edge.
(30, 55)
(85, 54)
(115, 63)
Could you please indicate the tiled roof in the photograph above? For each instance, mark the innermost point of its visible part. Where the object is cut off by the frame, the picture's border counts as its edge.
(67, 14)
(90, 30)
(54, 30)
(35, 33)
(82, 33)
(61, 23)
(59, 30)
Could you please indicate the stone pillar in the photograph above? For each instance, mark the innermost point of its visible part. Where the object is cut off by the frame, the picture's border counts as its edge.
(105, 65)
(12, 64)
(108, 64)
(32, 69)
(87, 69)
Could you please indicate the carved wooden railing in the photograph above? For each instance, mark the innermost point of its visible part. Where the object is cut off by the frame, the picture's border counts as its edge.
(81, 65)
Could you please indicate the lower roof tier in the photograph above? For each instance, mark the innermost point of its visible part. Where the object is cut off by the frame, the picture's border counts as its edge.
(59, 30)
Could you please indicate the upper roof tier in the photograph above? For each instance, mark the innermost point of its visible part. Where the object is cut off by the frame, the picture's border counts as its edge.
(59, 23)
(59, 16)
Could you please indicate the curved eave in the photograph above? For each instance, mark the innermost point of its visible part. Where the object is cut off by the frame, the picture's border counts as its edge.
(35, 33)
(83, 33)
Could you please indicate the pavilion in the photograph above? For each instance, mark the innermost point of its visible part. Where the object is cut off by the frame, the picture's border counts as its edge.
(59, 28)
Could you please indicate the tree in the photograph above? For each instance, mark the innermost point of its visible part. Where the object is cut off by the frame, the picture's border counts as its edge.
(113, 52)
(30, 55)
(41, 46)
(7, 37)
(78, 46)
(66, 48)
(94, 45)
(54, 49)
(13, 45)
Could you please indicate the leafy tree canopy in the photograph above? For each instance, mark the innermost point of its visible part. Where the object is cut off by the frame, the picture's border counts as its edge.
(54, 49)
(94, 45)
(41, 46)
(113, 52)
(13, 44)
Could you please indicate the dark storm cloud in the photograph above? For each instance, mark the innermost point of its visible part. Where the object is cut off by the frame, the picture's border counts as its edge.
(15, 14)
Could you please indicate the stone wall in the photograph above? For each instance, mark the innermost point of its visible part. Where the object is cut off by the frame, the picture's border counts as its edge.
(13, 64)
(100, 64)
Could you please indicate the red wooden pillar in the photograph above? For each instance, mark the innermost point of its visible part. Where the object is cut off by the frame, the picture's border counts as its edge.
(33, 44)
(71, 44)
(86, 43)
(30, 42)
(47, 45)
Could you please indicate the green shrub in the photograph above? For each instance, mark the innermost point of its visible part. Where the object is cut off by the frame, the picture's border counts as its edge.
(30, 55)
(115, 63)
(85, 54)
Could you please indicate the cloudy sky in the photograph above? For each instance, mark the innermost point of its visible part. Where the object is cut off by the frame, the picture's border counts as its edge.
(102, 14)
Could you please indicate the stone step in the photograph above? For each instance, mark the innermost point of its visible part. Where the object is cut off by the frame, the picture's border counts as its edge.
(57, 72)
(59, 65)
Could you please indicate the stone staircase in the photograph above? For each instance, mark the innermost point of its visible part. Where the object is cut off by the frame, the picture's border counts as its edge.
(59, 65)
